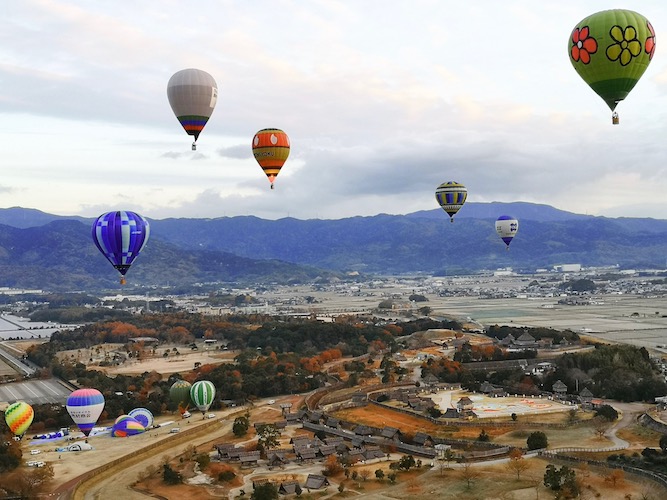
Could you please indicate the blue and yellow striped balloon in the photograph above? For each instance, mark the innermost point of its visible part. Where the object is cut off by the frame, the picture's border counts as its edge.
(451, 196)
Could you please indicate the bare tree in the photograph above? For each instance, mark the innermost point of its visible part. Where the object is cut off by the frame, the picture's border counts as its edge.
(468, 473)
(27, 483)
(600, 425)
(517, 463)
(616, 476)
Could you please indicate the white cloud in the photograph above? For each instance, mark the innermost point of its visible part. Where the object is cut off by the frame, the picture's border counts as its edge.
(381, 102)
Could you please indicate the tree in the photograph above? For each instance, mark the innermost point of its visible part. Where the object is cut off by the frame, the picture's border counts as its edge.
(406, 462)
(600, 425)
(483, 437)
(170, 476)
(572, 416)
(449, 455)
(608, 412)
(517, 463)
(379, 474)
(468, 473)
(364, 474)
(10, 453)
(332, 466)
(203, 459)
(22, 483)
(563, 479)
(267, 437)
(241, 425)
(433, 412)
(266, 491)
(392, 477)
(615, 476)
(537, 440)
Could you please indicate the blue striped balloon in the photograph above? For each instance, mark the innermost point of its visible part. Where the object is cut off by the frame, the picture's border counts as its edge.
(143, 416)
(85, 407)
(121, 236)
(451, 196)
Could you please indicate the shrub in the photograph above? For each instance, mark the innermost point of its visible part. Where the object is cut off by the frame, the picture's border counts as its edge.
(226, 476)
(537, 440)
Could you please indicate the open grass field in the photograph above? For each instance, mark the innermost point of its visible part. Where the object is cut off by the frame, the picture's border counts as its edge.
(182, 361)
(580, 436)
(6, 370)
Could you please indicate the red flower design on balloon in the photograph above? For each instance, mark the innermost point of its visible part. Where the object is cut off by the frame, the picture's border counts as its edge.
(649, 45)
(583, 45)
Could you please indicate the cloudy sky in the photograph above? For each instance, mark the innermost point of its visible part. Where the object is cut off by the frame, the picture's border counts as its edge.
(382, 103)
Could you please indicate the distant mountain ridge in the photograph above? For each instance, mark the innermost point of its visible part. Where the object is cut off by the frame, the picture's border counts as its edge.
(40, 250)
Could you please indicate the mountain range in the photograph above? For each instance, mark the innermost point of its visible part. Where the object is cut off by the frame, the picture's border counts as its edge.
(41, 250)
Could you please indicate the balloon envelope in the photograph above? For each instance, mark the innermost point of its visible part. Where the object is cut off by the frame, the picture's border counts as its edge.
(271, 147)
(19, 416)
(85, 407)
(126, 426)
(142, 415)
(507, 227)
(451, 196)
(179, 393)
(202, 394)
(611, 50)
(121, 236)
(192, 95)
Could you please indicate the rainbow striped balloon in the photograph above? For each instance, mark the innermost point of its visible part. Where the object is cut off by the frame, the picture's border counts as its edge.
(19, 416)
(126, 426)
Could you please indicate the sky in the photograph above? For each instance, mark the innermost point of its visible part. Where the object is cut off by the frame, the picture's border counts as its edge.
(382, 102)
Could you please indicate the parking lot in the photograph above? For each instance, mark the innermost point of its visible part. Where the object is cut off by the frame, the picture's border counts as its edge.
(49, 391)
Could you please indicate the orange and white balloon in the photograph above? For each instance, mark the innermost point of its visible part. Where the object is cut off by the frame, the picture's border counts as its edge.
(271, 147)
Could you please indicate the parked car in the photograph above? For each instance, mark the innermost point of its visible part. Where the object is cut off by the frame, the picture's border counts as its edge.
(175, 430)
(35, 452)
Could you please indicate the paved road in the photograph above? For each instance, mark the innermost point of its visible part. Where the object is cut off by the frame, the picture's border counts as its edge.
(10, 355)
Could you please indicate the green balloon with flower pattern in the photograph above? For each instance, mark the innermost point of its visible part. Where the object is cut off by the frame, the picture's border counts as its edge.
(611, 50)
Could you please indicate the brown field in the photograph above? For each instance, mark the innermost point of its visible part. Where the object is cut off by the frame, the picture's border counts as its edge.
(495, 482)
(581, 436)
(6, 370)
(490, 482)
(378, 416)
(184, 361)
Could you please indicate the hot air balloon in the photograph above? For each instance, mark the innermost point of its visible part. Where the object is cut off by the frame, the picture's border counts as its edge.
(202, 394)
(121, 236)
(142, 415)
(507, 227)
(451, 196)
(270, 147)
(611, 50)
(126, 426)
(85, 407)
(179, 393)
(19, 416)
(192, 94)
